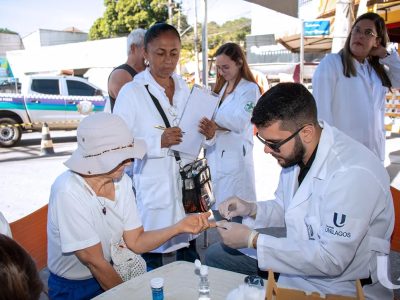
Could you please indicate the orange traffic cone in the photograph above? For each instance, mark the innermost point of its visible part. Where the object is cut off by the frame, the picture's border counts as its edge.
(46, 146)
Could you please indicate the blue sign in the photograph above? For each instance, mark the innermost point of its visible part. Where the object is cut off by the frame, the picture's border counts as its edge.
(316, 28)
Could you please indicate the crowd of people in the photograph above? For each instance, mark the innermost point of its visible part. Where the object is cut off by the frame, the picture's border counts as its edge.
(333, 196)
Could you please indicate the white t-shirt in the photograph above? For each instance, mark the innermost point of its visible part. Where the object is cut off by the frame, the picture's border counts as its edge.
(4, 226)
(76, 221)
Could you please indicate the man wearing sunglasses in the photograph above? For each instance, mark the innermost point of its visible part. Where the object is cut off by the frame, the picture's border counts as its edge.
(333, 198)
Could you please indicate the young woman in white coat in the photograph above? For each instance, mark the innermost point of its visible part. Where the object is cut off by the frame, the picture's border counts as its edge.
(350, 86)
(157, 178)
(229, 145)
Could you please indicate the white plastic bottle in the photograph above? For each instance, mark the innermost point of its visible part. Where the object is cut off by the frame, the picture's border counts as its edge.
(204, 286)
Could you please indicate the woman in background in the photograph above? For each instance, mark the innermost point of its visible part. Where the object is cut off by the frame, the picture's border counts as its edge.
(350, 86)
(229, 145)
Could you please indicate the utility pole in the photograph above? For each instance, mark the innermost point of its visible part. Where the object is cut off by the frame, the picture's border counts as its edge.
(179, 18)
(178, 71)
(362, 8)
(205, 47)
(196, 50)
(170, 11)
(343, 20)
(302, 52)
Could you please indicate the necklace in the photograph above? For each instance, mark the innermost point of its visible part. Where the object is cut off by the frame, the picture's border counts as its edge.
(103, 205)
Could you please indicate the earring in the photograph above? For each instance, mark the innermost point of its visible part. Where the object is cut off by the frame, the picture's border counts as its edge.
(146, 63)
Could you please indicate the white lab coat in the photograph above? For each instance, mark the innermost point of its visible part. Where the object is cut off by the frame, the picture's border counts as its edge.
(4, 226)
(338, 221)
(230, 154)
(157, 178)
(355, 105)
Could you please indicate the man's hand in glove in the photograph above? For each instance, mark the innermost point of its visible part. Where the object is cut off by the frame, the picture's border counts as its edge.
(234, 206)
(235, 235)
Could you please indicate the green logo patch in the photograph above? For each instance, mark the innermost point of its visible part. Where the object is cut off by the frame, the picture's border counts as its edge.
(249, 107)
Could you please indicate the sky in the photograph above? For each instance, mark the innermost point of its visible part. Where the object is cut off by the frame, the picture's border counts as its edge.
(27, 16)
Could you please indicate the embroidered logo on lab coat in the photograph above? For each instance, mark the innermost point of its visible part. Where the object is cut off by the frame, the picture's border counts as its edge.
(249, 107)
(342, 220)
(339, 220)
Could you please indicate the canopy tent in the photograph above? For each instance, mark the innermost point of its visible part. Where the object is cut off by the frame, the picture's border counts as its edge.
(321, 44)
(288, 7)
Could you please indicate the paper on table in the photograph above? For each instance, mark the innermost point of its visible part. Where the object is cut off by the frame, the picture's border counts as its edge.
(201, 103)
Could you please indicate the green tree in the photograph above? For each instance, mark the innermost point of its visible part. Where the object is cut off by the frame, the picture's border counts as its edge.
(231, 31)
(6, 30)
(122, 16)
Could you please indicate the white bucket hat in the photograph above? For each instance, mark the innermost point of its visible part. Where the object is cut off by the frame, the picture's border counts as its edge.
(104, 141)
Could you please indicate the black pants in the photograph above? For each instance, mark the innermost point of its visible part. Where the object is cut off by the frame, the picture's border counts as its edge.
(154, 260)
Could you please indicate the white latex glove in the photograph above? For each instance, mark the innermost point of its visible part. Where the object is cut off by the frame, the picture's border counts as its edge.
(234, 206)
(234, 235)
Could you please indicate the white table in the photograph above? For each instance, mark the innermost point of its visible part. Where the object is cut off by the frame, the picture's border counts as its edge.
(180, 282)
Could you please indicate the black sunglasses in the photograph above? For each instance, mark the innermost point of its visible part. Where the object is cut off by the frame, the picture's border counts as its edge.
(254, 280)
(275, 146)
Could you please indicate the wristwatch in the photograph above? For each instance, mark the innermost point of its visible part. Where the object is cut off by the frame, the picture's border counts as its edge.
(254, 242)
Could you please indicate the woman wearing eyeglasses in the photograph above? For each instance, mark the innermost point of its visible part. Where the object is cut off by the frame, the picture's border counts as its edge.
(229, 148)
(350, 86)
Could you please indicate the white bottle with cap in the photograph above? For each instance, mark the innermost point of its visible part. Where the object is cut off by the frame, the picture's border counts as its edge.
(204, 286)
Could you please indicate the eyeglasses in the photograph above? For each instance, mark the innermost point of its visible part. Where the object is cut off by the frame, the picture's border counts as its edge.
(254, 280)
(368, 33)
(275, 146)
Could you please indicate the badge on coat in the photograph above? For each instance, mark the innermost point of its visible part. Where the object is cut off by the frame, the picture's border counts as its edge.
(338, 220)
(249, 107)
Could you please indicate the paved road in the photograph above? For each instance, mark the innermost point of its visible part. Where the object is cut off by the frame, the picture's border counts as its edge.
(26, 176)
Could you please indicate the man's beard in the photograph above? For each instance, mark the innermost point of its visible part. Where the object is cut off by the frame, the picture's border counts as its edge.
(295, 157)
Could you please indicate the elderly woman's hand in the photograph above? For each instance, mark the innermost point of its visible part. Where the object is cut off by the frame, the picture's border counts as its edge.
(195, 223)
(207, 128)
(171, 136)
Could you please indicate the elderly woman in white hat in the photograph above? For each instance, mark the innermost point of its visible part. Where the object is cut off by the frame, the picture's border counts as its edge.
(92, 206)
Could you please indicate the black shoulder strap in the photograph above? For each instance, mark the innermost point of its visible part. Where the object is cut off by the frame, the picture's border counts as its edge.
(162, 113)
(158, 106)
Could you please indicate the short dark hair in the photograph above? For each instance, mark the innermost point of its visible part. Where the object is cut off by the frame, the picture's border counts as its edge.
(18, 274)
(288, 102)
(158, 29)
